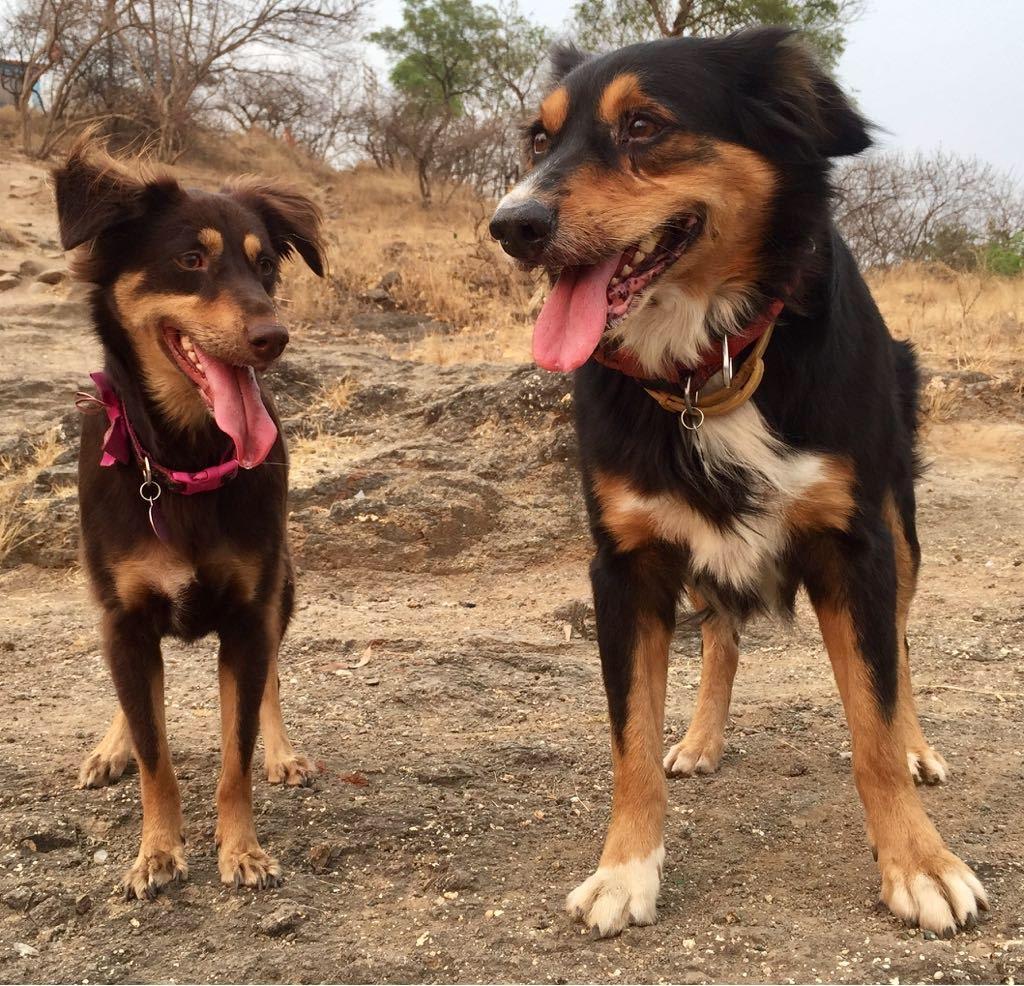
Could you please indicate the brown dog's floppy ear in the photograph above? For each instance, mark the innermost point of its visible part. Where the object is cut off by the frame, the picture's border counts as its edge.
(294, 221)
(95, 192)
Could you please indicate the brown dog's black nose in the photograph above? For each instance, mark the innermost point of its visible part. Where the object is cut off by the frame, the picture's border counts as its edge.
(524, 230)
(268, 340)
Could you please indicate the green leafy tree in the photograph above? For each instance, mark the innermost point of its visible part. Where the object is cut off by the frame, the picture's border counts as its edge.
(438, 50)
(602, 24)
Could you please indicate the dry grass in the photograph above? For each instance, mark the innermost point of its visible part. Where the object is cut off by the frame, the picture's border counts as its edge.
(448, 268)
(19, 515)
(966, 321)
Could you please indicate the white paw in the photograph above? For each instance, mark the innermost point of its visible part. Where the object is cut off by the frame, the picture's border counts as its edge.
(688, 757)
(927, 766)
(616, 896)
(940, 894)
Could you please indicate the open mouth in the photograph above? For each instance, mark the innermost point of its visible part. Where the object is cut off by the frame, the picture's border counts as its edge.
(589, 299)
(232, 393)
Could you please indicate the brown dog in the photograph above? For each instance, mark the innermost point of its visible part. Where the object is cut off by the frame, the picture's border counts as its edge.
(183, 477)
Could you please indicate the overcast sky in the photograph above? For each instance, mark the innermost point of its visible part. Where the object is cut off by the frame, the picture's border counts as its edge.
(934, 73)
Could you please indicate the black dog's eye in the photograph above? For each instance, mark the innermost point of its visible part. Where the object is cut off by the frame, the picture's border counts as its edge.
(266, 266)
(193, 260)
(642, 128)
(540, 142)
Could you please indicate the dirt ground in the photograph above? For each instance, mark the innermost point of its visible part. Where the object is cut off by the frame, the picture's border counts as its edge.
(442, 671)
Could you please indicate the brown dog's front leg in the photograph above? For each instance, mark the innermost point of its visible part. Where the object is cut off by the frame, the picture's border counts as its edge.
(244, 660)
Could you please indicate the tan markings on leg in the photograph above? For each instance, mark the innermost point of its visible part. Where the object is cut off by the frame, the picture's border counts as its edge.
(154, 568)
(252, 246)
(284, 765)
(211, 240)
(700, 751)
(828, 502)
(107, 762)
(624, 889)
(922, 881)
(161, 856)
(240, 859)
(554, 110)
(925, 764)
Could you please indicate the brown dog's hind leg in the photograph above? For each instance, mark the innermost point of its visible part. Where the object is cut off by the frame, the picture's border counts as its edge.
(634, 601)
(700, 750)
(244, 661)
(284, 765)
(107, 762)
(133, 652)
(922, 881)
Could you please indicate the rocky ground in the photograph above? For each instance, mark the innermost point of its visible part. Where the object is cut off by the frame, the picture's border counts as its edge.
(442, 671)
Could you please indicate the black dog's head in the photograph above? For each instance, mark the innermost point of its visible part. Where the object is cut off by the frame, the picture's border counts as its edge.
(668, 185)
(189, 277)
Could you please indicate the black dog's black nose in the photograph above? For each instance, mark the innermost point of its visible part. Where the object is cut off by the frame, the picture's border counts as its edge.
(524, 229)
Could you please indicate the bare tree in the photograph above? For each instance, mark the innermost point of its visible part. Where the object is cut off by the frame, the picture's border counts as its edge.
(896, 207)
(59, 41)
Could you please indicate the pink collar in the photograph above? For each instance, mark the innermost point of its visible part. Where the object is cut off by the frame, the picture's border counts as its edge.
(120, 442)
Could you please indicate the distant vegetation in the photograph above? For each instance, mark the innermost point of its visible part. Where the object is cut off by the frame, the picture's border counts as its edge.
(461, 77)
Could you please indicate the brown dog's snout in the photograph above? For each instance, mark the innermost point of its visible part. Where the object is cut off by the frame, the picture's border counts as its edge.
(267, 339)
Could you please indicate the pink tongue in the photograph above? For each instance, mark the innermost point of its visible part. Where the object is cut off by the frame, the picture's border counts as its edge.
(572, 320)
(238, 409)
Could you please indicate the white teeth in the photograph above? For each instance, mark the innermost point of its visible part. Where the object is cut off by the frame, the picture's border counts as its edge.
(186, 343)
(638, 258)
(648, 244)
(626, 271)
(615, 281)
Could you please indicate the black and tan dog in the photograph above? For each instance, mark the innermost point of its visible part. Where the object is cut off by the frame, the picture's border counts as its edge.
(183, 478)
(678, 194)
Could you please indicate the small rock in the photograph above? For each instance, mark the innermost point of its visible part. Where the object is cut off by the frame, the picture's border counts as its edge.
(25, 951)
(390, 280)
(30, 268)
(283, 920)
(8, 281)
(100, 857)
(83, 905)
(55, 275)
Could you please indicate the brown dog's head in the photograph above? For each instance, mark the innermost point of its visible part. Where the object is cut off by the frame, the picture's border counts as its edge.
(664, 184)
(185, 281)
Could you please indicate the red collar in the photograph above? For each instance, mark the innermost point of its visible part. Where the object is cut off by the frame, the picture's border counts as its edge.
(625, 362)
(120, 442)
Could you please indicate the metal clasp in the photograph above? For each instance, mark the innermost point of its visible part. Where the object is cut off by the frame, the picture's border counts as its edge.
(726, 363)
(150, 491)
(691, 417)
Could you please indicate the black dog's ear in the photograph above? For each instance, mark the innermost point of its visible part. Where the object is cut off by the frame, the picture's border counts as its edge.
(96, 192)
(294, 221)
(786, 96)
(563, 57)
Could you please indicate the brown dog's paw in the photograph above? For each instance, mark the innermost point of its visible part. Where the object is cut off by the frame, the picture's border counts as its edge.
(153, 870)
(294, 770)
(614, 897)
(699, 755)
(927, 766)
(248, 867)
(939, 893)
(105, 764)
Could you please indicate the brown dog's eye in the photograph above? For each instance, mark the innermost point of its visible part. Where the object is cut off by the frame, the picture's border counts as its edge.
(540, 142)
(193, 260)
(266, 266)
(642, 128)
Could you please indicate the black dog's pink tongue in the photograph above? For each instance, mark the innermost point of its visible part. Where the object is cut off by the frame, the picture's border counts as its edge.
(238, 409)
(573, 318)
